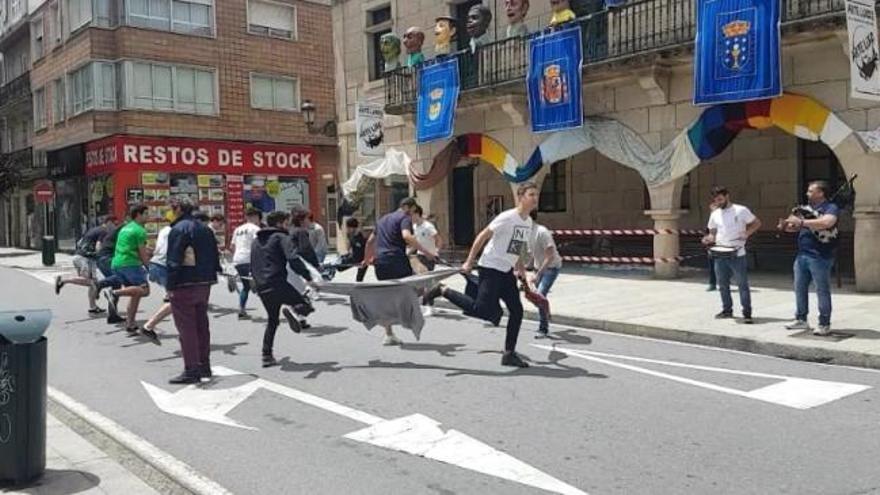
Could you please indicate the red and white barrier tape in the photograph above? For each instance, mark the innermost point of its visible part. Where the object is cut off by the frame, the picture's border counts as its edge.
(625, 232)
(626, 260)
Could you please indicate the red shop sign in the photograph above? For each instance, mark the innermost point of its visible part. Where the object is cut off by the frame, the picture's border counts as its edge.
(44, 192)
(198, 156)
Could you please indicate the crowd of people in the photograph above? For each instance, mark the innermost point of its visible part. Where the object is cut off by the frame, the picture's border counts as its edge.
(270, 254)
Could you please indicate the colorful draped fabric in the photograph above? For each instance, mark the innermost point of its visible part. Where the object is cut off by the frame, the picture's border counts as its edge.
(470, 146)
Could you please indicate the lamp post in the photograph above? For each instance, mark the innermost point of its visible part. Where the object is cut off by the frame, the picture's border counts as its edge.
(309, 110)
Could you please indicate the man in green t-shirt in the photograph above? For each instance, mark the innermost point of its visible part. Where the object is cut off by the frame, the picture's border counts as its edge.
(129, 258)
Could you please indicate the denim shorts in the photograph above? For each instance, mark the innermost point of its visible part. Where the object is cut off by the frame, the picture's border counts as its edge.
(132, 276)
(159, 274)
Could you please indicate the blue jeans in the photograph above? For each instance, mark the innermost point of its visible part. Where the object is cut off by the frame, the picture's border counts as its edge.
(817, 270)
(725, 268)
(545, 283)
(244, 271)
(158, 274)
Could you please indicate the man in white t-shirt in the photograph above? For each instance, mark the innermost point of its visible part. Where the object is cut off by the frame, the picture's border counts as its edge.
(731, 225)
(428, 237)
(158, 271)
(547, 265)
(242, 240)
(507, 241)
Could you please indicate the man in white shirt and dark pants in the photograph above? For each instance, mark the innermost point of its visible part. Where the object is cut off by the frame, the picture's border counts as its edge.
(547, 266)
(507, 241)
(731, 225)
(242, 240)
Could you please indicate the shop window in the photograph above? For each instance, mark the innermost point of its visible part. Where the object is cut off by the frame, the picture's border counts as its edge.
(40, 109)
(273, 19)
(274, 92)
(553, 191)
(37, 47)
(183, 89)
(379, 23)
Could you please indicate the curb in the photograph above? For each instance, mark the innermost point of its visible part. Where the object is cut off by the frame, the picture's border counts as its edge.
(785, 351)
(157, 467)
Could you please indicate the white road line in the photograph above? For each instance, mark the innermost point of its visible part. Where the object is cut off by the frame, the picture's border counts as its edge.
(177, 470)
(797, 393)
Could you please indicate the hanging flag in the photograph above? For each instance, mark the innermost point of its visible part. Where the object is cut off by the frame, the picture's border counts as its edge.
(554, 81)
(861, 22)
(737, 51)
(370, 129)
(438, 96)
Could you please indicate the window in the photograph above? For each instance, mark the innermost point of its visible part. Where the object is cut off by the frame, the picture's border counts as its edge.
(165, 87)
(103, 15)
(274, 93)
(58, 107)
(92, 87)
(272, 19)
(56, 22)
(40, 109)
(37, 30)
(150, 13)
(553, 191)
(379, 23)
(192, 17)
(79, 13)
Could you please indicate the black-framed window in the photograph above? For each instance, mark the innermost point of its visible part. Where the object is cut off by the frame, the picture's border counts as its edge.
(379, 23)
(553, 192)
(817, 162)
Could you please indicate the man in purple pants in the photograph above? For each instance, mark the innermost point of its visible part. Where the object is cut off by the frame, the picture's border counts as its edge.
(193, 263)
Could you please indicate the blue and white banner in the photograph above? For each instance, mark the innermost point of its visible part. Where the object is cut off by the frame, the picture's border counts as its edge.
(554, 81)
(438, 97)
(737, 51)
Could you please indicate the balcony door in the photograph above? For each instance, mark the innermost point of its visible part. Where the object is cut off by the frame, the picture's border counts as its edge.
(462, 205)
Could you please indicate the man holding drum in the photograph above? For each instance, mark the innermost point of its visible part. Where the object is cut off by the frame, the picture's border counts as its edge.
(730, 226)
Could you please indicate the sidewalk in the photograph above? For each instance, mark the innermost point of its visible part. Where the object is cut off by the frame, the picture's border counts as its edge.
(73, 465)
(629, 300)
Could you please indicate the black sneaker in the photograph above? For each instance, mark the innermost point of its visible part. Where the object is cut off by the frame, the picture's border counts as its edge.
(113, 319)
(513, 359)
(269, 361)
(97, 311)
(205, 371)
(434, 293)
(58, 285)
(723, 315)
(132, 331)
(291, 319)
(303, 324)
(152, 335)
(243, 316)
(747, 319)
(541, 333)
(186, 378)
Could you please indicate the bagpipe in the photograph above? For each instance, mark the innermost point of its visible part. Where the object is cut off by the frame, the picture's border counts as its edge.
(844, 198)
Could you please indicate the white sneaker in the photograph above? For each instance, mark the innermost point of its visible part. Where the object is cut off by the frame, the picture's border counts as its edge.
(392, 340)
(822, 330)
(428, 311)
(798, 325)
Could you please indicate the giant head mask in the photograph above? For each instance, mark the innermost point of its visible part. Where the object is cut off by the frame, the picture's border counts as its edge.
(478, 19)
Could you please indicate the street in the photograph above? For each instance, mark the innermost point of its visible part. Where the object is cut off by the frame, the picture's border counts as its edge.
(595, 413)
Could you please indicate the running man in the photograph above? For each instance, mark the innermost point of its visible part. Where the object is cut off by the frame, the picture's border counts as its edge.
(386, 250)
(428, 237)
(547, 265)
(104, 258)
(158, 271)
(507, 241)
(242, 239)
(271, 253)
(128, 263)
(85, 260)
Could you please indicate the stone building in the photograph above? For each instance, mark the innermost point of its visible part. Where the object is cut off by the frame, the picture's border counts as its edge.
(138, 101)
(638, 70)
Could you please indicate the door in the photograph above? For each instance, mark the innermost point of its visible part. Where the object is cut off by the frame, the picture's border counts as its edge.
(462, 202)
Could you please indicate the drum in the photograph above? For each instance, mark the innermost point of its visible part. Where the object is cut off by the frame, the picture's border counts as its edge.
(722, 252)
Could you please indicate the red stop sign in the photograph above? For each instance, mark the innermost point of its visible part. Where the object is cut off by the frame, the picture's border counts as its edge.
(44, 192)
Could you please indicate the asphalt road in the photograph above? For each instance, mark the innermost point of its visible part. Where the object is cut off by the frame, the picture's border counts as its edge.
(604, 422)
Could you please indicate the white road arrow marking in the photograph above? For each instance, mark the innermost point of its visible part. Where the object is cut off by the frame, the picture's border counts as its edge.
(415, 434)
(797, 393)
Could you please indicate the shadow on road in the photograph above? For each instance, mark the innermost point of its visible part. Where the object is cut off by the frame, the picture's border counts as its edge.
(556, 370)
(313, 370)
(227, 349)
(323, 331)
(445, 350)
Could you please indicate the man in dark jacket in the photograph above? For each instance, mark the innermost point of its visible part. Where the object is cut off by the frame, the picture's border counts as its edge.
(193, 263)
(271, 253)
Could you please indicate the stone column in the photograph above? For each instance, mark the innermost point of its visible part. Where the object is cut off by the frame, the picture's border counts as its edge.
(867, 254)
(666, 245)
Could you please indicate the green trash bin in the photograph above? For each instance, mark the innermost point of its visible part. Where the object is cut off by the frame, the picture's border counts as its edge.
(48, 250)
(22, 395)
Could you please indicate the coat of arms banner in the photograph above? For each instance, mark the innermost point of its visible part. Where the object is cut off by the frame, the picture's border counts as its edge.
(737, 51)
(438, 97)
(554, 81)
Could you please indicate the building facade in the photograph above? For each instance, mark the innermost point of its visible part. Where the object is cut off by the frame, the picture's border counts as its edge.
(138, 101)
(638, 72)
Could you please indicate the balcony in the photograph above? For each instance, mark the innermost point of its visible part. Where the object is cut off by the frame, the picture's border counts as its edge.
(15, 90)
(638, 28)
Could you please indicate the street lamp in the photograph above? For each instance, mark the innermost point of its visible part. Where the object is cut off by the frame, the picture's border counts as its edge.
(309, 110)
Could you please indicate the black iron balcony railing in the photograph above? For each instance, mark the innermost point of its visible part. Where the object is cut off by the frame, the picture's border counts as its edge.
(18, 88)
(635, 28)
